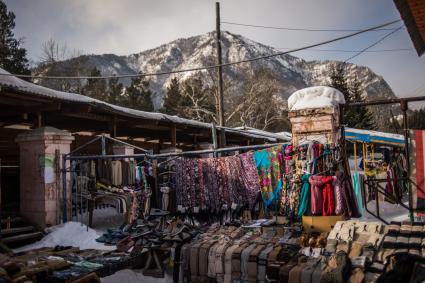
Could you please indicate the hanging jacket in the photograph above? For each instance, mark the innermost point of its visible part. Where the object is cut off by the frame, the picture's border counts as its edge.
(304, 206)
(316, 194)
(328, 207)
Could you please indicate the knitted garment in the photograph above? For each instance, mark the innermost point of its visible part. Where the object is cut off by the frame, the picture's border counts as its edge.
(328, 196)
(268, 167)
(250, 177)
(304, 205)
(316, 194)
(341, 207)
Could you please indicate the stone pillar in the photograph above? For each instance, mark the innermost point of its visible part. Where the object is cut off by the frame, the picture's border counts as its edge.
(41, 153)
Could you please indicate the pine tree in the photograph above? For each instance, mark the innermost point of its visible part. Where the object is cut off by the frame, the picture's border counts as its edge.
(173, 99)
(115, 89)
(361, 116)
(12, 55)
(138, 95)
(356, 117)
(95, 88)
(417, 119)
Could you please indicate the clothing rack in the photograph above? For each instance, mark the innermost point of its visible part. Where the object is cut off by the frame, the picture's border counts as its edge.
(148, 154)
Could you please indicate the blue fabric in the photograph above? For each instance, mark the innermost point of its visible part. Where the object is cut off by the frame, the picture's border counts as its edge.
(358, 191)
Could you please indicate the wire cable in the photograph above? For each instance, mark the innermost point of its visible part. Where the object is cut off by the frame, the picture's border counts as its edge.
(373, 44)
(351, 51)
(299, 29)
(210, 66)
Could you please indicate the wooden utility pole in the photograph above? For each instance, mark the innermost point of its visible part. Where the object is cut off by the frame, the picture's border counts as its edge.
(220, 110)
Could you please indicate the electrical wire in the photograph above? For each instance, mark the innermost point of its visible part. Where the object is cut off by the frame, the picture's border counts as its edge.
(373, 44)
(298, 29)
(210, 66)
(351, 51)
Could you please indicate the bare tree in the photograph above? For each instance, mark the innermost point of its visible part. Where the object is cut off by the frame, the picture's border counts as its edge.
(52, 51)
(259, 105)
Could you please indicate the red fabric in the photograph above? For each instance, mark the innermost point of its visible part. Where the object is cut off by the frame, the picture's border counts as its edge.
(328, 207)
(316, 194)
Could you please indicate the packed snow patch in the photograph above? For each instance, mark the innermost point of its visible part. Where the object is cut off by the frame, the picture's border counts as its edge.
(315, 97)
(69, 234)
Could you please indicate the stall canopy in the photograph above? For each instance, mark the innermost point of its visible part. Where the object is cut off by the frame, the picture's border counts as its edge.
(367, 136)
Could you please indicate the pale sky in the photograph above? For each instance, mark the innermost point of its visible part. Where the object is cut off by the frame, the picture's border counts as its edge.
(130, 26)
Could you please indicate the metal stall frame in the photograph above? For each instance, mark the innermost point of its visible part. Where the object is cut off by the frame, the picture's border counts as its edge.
(147, 154)
(404, 108)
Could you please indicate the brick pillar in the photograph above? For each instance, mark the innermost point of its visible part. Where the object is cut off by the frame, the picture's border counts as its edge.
(40, 180)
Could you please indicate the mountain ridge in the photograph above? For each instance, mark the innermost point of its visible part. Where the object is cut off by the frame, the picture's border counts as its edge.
(292, 72)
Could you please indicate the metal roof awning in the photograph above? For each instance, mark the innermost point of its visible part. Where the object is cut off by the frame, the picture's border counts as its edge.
(367, 136)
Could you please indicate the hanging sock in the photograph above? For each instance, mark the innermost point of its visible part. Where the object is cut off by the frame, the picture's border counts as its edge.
(328, 196)
(304, 196)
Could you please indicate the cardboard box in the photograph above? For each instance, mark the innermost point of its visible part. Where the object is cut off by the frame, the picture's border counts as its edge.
(320, 223)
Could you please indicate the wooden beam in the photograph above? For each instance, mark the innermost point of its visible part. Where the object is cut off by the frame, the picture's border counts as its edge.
(19, 110)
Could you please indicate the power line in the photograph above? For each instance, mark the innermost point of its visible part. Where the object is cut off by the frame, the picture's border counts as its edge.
(210, 66)
(374, 44)
(299, 29)
(351, 51)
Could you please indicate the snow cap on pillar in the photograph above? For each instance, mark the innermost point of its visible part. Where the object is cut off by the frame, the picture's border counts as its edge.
(315, 97)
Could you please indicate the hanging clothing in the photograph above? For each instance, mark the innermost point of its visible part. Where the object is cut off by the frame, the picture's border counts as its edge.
(304, 206)
(358, 193)
(328, 196)
(116, 173)
(316, 194)
(250, 178)
(269, 171)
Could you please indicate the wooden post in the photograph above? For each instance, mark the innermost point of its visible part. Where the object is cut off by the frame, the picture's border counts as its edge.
(220, 110)
(173, 135)
(114, 126)
(39, 120)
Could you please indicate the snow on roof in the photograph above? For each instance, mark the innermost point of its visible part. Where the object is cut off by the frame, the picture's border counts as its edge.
(256, 132)
(315, 97)
(31, 88)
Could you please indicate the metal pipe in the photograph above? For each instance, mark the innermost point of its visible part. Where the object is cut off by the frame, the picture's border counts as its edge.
(64, 192)
(248, 147)
(386, 101)
(103, 142)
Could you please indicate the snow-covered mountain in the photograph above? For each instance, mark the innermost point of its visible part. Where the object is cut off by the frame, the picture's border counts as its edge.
(292, 73)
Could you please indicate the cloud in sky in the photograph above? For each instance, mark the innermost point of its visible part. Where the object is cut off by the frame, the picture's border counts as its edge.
(130, 26)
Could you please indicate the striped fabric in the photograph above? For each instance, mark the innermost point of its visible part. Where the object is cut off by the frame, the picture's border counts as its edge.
(417, 168)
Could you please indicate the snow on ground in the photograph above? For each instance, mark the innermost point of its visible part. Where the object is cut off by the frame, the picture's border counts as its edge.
(76, 234)
(69, 234)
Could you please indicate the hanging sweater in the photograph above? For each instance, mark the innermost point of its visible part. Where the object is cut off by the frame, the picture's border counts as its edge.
(304, 205)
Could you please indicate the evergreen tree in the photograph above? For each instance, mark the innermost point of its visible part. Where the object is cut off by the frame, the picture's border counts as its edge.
(173, 98)
(138, 95)
(12, 55)
(95, 88)
(115, 89)
(417, 119)
(356, 117)
(361, 116)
